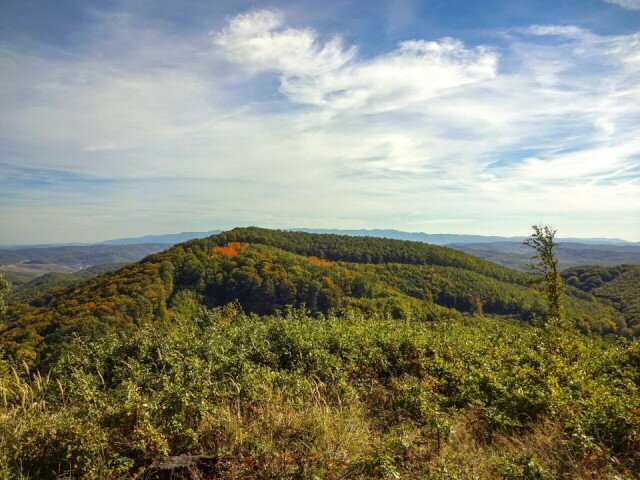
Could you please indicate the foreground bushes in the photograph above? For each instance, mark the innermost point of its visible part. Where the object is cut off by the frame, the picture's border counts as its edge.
(291, 396)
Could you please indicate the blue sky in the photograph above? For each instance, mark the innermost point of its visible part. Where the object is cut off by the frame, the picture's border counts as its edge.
(140, 117)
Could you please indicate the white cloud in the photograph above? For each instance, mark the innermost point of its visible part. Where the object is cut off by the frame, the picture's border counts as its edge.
(260, 122)
(628, 4)
(259, 42)
(408, 76)
(330, 75)
(569, 31)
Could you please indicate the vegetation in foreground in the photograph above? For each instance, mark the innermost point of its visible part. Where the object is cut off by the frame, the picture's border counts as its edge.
(294, 396)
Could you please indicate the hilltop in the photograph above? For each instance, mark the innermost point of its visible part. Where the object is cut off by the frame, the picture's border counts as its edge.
(269, 270)
(21, 264)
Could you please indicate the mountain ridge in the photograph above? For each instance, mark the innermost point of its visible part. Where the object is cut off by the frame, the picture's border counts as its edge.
(454, 238)
(434, 238)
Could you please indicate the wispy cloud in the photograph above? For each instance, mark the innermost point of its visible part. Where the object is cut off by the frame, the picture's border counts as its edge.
(259, 41)
(329, 75)
(260, 121)
(629, 4)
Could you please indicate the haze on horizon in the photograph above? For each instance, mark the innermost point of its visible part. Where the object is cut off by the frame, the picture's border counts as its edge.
(145, 117)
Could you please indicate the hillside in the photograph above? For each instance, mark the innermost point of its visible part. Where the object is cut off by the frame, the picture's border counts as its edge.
(23, 264)
(619, 285)
(353, 396)
(267, 270)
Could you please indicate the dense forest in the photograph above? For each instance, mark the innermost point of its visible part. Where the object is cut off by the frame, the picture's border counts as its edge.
(295, 355)
(619, 286)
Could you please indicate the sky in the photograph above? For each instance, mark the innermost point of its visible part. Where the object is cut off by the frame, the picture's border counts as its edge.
(128, 118)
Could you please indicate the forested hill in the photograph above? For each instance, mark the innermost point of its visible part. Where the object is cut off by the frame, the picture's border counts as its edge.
(266, 271)
(365, 249)
(619, 285)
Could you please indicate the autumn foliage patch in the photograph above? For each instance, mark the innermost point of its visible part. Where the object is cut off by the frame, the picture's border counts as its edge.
(230, 249)
(320, 261)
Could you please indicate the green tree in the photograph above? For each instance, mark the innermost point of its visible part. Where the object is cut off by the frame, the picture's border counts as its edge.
(5, 286)
(544, 264)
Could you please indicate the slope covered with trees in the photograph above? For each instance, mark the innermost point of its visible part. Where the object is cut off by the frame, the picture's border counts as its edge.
(266, 271)
(5, 286)
(619, 285)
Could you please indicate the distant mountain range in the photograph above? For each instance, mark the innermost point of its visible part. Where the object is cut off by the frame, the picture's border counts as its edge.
(82, 256)
(454, 239)
(168, 239)
(570, 254)
(22, 265)
(433, 238)
(164, 239)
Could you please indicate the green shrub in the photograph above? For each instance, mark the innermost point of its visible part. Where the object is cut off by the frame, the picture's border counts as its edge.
(344, 395)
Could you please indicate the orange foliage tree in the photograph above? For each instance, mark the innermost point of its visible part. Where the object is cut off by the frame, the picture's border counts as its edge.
(320, 261)
(230, 249)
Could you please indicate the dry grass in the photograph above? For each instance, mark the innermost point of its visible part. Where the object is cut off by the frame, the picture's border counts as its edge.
(285, 439)
(473, 455)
